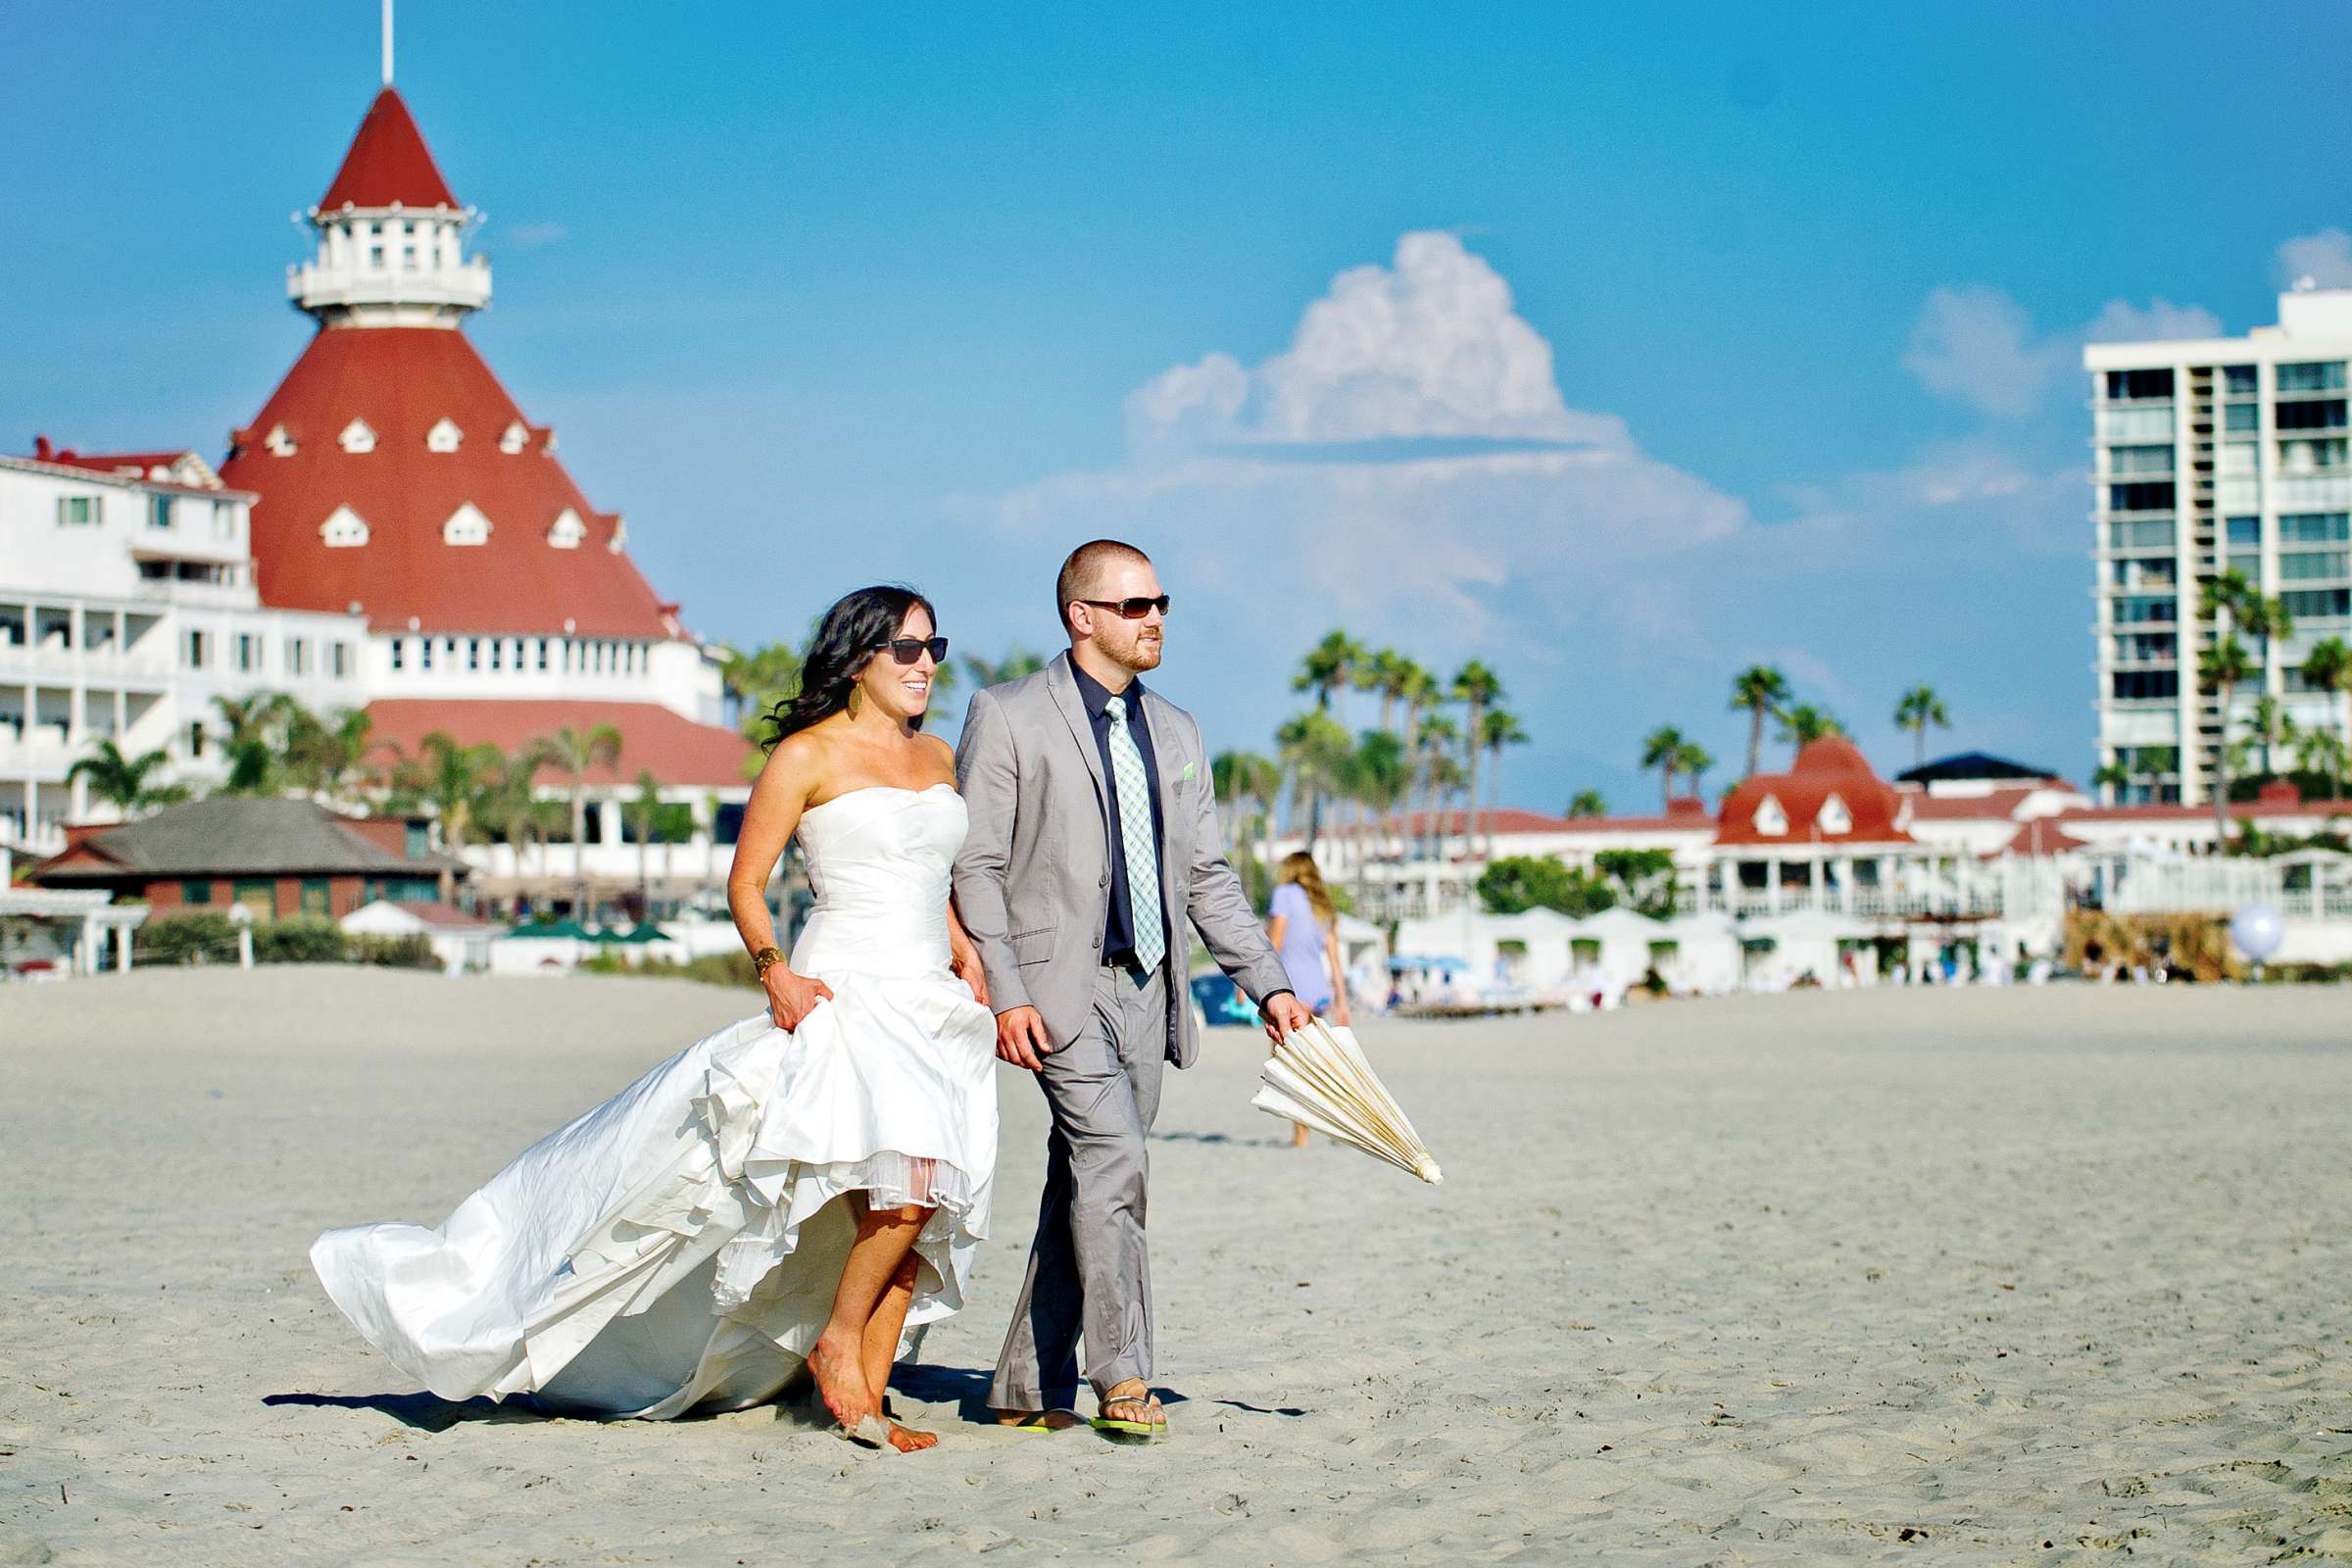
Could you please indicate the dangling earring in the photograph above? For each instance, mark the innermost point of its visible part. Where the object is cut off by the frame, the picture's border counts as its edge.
(855, 692)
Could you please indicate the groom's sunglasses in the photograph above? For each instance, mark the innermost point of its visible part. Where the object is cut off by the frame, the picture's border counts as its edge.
(906, 649)
(1132, 608)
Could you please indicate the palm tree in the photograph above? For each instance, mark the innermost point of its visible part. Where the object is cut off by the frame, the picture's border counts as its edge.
(757, 680)
(2156, 761)
(1663, 751)
(1498, 729)
(511, 810)
(1432, 748)
(123, 781)
(2273, 726)
(1692, 762)
(1328, 666)
(1378, 776)
(1314, 749)
(1586, 802)
(2328, 667)
(1250, 779)
(453, 779)
(1388, 674)
(324, 754)
(2222, 665)
(1805, 723)
(2114, 778)
(577, 752)
(2323, 752)
(255, 745)
(1477, 687)
(643, 812)
(1919, 708)
(1758, 690)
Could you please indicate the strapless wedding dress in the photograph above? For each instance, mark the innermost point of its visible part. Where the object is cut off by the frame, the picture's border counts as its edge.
(677, 1248)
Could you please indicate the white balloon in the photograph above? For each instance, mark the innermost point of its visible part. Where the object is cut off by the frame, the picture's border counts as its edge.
(2258, 931)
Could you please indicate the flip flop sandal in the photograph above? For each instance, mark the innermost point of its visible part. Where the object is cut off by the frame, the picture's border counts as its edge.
(1041, 1423)
(1122, 1430)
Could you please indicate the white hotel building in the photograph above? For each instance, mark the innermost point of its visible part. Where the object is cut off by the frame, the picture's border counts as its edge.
(126, 605)
(2211, 455)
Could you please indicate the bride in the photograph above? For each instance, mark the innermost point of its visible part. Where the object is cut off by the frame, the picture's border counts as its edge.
(802, 1188)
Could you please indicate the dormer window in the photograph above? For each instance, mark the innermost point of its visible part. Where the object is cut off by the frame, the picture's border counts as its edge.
(514, 439)
(358, 437)
(1772, 820)
(278, 442)
(343, 528)
(465, 526)
(621, 535)
(568, 530)
(1834, 818)
(444, 436)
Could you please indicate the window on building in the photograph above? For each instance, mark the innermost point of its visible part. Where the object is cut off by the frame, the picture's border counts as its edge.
(316, 899)
(416, 841)
(2246, 567)
(2319, 376)
(542, 652)
(195, 738)
(2245, 531)
(2241, 457)
(2138, 385)
(225, 521)
(2238, 380)
(2315, 527)
(2143, 572)
(298, 655)
(399, 653)
(424, 653)
(2318, 604)
(498, 652)
(376, 257)
(2312, 413)
(249, 653)
(258, 894)
(2148, 647)
(2303, 565)
(2142, 533)
(2143, 497)
(338, 659)
(2144, 685)
(78, 512)
(2241, 419)
(159, 512)
(2135, 609)
(473, 652)
(2130, 461)
(726, 823)
(2309, 456)
(196, 647)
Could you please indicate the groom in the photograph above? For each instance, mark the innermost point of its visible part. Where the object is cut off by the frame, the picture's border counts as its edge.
(1093, 839)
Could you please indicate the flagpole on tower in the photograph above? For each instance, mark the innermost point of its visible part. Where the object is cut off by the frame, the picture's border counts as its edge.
(387, 43)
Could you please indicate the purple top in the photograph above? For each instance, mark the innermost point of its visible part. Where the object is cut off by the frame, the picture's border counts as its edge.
(1302, 943)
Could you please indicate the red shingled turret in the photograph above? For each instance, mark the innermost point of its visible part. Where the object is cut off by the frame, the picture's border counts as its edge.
(388, 165)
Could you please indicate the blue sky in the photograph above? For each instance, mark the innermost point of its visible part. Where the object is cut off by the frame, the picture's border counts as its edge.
(1617, 349)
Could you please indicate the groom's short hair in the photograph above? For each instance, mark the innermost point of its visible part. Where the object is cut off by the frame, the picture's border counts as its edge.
(1082, 573)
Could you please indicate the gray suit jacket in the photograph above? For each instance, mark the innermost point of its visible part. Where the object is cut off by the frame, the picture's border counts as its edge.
(1033, 881)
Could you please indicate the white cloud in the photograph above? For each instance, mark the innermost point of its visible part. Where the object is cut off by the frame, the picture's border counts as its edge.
(530, 236)
(1975, 345)
(2325, 258)
(2160, 322)
(1339, 462)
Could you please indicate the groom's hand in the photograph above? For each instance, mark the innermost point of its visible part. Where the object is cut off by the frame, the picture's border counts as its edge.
(1021, 1038)
(1284, 1015)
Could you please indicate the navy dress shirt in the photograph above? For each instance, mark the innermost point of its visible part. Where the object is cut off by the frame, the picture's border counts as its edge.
(1118, 927)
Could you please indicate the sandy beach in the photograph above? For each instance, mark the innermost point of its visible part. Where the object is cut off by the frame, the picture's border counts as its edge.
(1974, 1276)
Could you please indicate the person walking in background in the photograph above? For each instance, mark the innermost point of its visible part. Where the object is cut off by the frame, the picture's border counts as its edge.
(1305, 928)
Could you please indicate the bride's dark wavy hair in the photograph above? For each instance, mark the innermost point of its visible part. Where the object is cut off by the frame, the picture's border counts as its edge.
(846, 640)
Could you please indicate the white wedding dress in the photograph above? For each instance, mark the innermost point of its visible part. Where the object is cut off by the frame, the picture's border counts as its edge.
(677, 1248)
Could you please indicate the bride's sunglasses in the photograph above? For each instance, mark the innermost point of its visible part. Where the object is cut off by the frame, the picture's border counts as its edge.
(1132, 608)
(906, 649)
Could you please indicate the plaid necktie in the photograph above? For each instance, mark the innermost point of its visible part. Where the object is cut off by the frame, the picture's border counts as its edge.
(1133, 792)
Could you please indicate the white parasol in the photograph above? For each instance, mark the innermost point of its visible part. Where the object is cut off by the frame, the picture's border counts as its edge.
(1318, 1077)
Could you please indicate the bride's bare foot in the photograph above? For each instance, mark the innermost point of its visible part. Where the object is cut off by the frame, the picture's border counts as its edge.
(909, 1441)
(841, 1380)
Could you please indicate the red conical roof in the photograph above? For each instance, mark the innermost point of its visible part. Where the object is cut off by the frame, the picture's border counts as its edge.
(388, 163)
(400, 382)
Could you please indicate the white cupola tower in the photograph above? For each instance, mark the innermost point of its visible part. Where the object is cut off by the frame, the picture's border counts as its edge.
(391, 238)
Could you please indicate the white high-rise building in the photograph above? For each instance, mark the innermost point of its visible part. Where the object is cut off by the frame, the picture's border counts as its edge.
(2215, 454)
(128, 604)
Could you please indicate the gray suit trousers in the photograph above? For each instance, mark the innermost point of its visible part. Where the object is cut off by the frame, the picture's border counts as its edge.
(1088, 1275)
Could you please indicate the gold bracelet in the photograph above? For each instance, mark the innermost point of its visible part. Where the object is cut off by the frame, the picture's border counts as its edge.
(764, 960)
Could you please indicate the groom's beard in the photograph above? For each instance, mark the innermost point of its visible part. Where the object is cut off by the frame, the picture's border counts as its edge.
(1139, 656)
